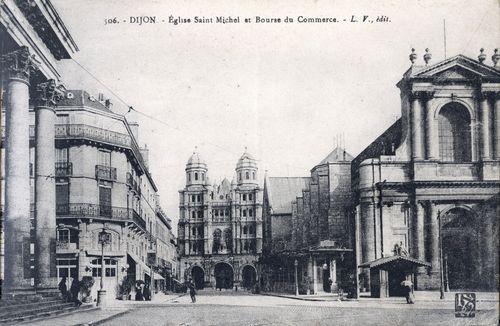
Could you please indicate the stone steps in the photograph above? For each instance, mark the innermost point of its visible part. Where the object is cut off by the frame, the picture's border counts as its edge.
(13, 311)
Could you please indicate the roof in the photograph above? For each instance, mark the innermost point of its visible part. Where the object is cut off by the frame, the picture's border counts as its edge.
(337, 155)
(394, 260)
(281, 191)
(195, 159)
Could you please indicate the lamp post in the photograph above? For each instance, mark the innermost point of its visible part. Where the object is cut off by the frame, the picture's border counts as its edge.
(104, 239)
(441, 274)
(296, 264)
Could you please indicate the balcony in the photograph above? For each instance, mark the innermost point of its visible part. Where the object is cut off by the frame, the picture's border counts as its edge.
(82, 210)
(65, 246)
(133, 185)
(103, 172)
(64, 169)
(91, 133)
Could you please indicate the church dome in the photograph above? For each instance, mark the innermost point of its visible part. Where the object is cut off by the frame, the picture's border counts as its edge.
(246, 160)
(196, 161)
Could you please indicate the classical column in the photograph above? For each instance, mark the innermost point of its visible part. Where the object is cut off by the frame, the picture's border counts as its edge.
(47, 95)
(17, 66)
(432, 139)
(418, 234)
(434, 236)
(497, 125)
(417, 128)
(485, 127)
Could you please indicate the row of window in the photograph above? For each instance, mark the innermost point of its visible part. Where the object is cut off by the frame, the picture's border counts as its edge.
(196, 176)
(247, 175)
(223, 213)
(196, 198)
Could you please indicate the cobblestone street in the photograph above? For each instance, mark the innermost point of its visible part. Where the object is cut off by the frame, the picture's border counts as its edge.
(229, 308)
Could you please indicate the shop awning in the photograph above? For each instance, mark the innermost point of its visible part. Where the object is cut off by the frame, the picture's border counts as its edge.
(397, 261)
(158, 277)
(140, 262)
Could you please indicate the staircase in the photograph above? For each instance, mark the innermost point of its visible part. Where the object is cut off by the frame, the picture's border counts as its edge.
(14, 310)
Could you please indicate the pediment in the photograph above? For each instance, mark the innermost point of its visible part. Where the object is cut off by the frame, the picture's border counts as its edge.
(458, 68)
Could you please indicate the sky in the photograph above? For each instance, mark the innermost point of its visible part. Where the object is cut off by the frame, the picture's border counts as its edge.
(284, 91)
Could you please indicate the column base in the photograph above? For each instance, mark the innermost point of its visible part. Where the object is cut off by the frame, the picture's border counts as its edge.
(17, 293)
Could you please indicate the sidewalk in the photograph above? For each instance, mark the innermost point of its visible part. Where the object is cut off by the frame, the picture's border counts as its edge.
(97, 316)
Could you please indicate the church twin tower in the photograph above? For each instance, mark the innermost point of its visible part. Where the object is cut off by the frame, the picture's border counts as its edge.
(220, 225)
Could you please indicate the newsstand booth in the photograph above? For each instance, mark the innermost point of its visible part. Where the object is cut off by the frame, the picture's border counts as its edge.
(387, 273)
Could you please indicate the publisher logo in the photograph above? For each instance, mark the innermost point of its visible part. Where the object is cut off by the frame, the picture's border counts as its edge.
(465, 305)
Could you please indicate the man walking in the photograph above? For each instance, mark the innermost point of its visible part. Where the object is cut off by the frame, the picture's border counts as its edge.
(192, 291)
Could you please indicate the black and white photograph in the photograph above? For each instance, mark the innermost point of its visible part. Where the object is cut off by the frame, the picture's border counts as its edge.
(231, 162)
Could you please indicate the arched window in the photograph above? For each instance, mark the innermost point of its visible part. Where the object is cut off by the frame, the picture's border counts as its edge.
(193, 214)
(253, 175)
(194, 231)
(250, 212)
(203, 176)
(189, 176)
(239, 176)
(247, 175)
(252, 230)
(200, 214)
(196, 176)
(244, 213)
(250, 197)
(245, 229)
(244, 197)
(454, 133)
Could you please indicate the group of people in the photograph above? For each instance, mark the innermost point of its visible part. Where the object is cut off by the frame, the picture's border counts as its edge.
(143, 292)
(73, 294)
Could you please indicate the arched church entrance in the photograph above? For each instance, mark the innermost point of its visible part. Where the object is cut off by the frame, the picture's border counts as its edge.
(224, 276)
(249, 275)
(198, 276)
(461, 249)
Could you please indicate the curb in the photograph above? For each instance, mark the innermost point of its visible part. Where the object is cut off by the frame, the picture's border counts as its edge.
(48, 318)
(305, 299)
(106, 319)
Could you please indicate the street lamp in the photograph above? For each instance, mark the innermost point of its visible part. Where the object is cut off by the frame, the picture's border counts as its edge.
(296, 263)
(104, 239)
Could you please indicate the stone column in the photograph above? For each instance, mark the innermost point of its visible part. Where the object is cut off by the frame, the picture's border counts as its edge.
(497, 125)
(417, 127)
(485, 127)
(418, 235)
(17, 65)
(434, 236)
(47, 94)
(432, 139)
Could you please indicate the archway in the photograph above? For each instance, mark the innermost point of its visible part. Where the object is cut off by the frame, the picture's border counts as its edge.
(224, 276)
(249, 275)
(198, 276)
(460, 249)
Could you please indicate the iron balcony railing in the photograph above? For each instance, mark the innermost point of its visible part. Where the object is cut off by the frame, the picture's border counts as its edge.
(99, 211)
(83, 131)
(105, 172)
(133, 185)
(64, 169)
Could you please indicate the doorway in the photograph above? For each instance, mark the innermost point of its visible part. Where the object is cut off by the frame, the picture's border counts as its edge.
(224, 276)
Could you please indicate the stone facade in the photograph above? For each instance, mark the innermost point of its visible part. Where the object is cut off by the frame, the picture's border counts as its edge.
(436, 170)
(100, 181)
(308, 229)
(220, 226)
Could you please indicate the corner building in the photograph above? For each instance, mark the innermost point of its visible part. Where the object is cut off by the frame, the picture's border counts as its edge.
(220, 226)
(435, 170)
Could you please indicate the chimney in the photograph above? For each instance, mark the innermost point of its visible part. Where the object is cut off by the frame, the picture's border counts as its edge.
(145, 155)
(134, 127)
(108, 104)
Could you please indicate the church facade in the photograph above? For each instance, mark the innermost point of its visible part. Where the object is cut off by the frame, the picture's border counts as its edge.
(434, 175)
(220, 226)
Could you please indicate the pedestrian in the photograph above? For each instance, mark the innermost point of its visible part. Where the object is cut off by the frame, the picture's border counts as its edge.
(192, 292)
(408, 290)
(63, 288)
(147, 292)
(75, 291)
(138, 293)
